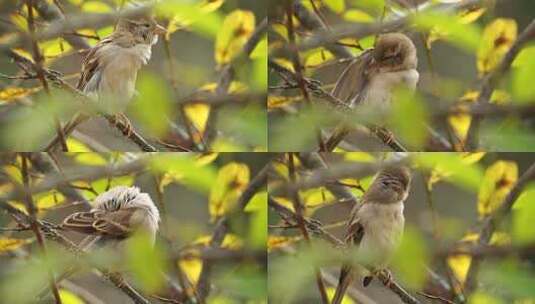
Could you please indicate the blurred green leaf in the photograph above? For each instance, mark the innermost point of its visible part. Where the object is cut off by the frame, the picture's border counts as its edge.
(411, 259)
(147, 263)
(408, 116)
(509, 276)
(464, 36)
(191, 15)
(338, 6)
(153, 105)
(248, 282)
(184, 168)
(259, 220)
(247, 125)
(524, 216)
(507, 136)
(453, 168)
(522, 80)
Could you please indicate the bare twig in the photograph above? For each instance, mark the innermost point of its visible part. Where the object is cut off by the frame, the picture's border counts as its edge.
(32, 211)
(298, 207)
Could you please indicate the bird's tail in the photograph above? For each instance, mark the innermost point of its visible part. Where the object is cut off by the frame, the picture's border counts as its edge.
(346, 275)
(336, 137)
(67, 129)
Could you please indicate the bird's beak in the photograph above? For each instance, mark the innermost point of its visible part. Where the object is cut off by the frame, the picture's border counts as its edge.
(160, 30)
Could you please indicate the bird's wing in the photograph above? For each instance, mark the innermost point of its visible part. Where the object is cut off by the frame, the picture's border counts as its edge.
(115, 224)
(91, 66)
(351, 85)
(355, 230)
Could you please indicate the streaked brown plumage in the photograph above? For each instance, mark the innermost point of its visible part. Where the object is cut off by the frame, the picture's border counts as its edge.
(109, 69)
(368, 81)
(376, 224)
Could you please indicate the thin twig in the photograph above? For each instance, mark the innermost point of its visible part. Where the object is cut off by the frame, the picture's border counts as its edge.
(32, 212)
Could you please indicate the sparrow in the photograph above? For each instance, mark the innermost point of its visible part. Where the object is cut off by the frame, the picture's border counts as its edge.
(109, 69)
(369, 80)
(376, 225)
(117, 214)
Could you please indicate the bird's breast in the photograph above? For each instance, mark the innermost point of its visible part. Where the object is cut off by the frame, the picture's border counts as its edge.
(383, 227)
(379, 92)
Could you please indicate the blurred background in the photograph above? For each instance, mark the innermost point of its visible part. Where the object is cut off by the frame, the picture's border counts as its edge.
(192, 192)
(450, 197)
(186, 63)
(455, 52)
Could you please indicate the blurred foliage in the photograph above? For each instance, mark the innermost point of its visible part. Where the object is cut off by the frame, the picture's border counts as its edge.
(219, 29)
(464, 190)
(476, 38)
(191, 190)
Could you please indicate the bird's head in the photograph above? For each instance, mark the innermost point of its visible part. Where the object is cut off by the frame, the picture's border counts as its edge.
(395, 51)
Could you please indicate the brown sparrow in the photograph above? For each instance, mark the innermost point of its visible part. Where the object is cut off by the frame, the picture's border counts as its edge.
(118, 213)
(376, 224)
(109, 69)
(368, 81)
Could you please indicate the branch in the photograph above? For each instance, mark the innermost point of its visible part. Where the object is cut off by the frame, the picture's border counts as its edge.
(30, 207)
(50, 232)
(492, 79)
(227, 74)
(491, 223)
(323, 38)
(88, 174)
(221, 229)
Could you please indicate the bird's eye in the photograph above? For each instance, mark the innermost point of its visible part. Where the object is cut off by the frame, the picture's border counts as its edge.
(145, 25)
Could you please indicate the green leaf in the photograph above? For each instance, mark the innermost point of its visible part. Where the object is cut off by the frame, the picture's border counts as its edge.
(184, 168)
(146, 262)
(524, 217)
(338, 6)
(408, 115)
(153, 105)
(464, 36)
(523, 76)
(453, 168)
(355, 15)
(410, 259)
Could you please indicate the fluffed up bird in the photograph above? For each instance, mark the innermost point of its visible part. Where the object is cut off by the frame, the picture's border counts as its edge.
(369, 80)
(376, 225)
(109, 70)
(118, 213)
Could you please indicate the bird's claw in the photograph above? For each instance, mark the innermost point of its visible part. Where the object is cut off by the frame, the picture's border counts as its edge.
(122, 119)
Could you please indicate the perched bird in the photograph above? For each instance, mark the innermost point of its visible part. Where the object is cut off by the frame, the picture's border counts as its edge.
(376, 224)
(368, 81)
(109, 70)
(117, 214)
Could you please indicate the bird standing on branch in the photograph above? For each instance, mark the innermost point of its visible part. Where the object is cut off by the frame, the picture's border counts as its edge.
(370, 79)
(109, 70)
(118, 213)
(376, 225)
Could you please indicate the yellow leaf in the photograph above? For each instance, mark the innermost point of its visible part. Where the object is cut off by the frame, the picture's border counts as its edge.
(280, 29)
(75, 145)
(231, 241)
(211, 5)
(285, 63)
(14, 173)
(88, 158)
(96, 7)
(498, 181)
(8, 244)
(472, 14)
(54, 48)
(356, 15)
(316, 196)
(363, 157)
(278, 242)
(197, 113)
(192, 269)
(275, 101)
(345, 300)
(206, 158)
(338, 6)
(15, 93)
(498, 37)
(284, 202)
(68, 297)
(19, 21)
(237, 28)
(316, 57)
(48, 200)
(231, 180)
